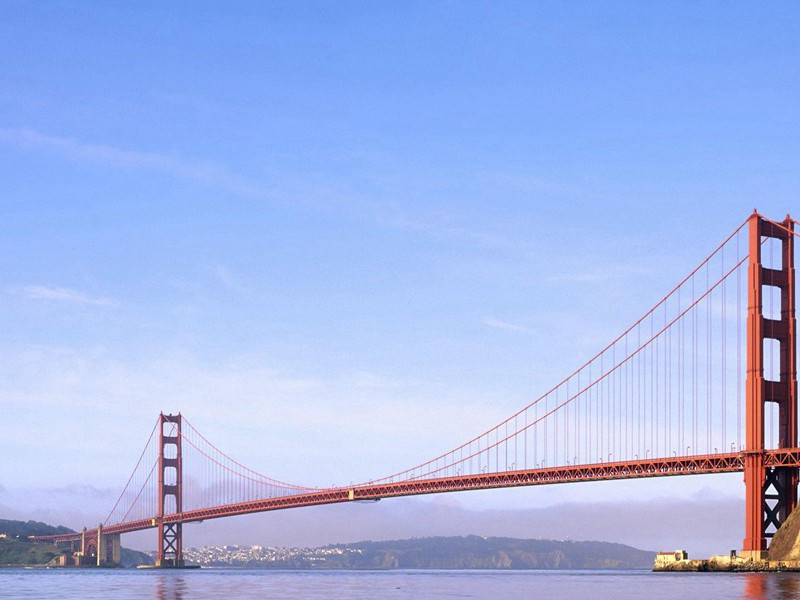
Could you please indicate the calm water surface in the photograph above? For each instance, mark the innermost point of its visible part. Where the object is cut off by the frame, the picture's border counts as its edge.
(236, 583)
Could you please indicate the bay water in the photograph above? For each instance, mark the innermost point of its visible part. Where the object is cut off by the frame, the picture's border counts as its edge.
(259, 583)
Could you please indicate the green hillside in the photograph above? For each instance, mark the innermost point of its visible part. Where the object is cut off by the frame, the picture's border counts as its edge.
(16, 549)
(26, 528)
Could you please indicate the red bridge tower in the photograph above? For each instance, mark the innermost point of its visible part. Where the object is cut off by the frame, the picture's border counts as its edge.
(770, 493)
(170, 485)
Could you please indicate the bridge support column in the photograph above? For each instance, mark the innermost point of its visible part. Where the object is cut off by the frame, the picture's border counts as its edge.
(770, 494)
(170, 486)
(101, 546)
(114, 545)
(109, 549)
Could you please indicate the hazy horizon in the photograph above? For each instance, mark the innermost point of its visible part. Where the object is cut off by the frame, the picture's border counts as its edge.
(700, 524)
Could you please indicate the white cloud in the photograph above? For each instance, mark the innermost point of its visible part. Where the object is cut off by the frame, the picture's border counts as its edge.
(228, 280)
(600, 274)
(307, 428)
(207, 173)
(505, 325)
(296, 192)
(60, 294)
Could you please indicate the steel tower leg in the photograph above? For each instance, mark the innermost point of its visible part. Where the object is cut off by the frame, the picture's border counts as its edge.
(170, 485)
(770, 494)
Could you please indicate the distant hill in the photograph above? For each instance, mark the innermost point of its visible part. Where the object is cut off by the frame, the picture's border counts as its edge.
(26, 528)
(474, 552)
(470, 552)
(133, 558)
(17, 550)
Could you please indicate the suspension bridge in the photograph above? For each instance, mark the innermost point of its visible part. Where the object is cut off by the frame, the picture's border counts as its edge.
(704, 382)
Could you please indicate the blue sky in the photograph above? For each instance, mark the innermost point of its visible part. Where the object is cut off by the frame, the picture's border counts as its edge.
(342, 237)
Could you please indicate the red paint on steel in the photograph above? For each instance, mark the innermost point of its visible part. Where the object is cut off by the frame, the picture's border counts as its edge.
(754, 539)
(758, 513)
(170, 542)
(657, 467)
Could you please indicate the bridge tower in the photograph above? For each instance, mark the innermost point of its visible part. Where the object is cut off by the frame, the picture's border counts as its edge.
(770, 493)
(170, 487)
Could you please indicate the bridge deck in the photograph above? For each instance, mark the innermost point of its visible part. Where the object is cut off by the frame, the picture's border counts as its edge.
(635, 469)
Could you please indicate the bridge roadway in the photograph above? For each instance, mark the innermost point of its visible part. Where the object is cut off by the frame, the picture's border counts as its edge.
(648, 467)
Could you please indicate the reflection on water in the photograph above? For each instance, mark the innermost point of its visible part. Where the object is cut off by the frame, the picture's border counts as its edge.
(233, 583)
(755, 586)
(171, 588)
(769, 586)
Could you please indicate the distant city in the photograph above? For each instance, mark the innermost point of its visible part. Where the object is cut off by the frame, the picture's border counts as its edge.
(210, 556)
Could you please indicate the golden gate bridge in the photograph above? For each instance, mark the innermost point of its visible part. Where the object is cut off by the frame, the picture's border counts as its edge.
(704, 382)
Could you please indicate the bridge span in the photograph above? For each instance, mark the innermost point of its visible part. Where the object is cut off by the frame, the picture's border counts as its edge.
(705, 382)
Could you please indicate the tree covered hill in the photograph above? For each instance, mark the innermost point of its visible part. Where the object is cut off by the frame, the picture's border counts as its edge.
(16, 549)
(474, 552)
(25, 528)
